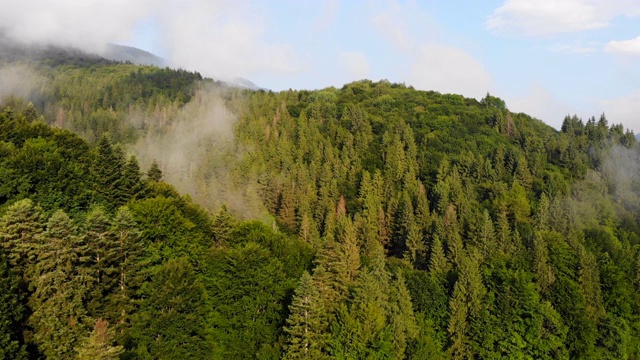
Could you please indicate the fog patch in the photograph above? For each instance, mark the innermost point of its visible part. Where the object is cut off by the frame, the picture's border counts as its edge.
(198, 154)
(22, 81)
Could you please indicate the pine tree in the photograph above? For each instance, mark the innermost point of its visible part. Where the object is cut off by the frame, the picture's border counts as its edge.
(127, 257)
(589, 280)
(171, 320)
(101, 260)
(306, 324)
(107, 168)
(131, 184)
(466, 305)
(450, 233)
(99, 344)
(416, 248)
(154, 173)
(20, 229)
(541, 266)
(223, 225)
(402, 219)
(486, 236)
(438, 262)
(503, 234)
(423, 215)
(59, 319)
(402, 318)
(348, 253)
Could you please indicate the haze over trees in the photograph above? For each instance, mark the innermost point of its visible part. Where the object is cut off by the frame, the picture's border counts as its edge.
(371, 221)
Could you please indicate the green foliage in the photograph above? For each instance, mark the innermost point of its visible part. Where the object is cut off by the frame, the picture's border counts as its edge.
(171, 321)
(248, 290)
(12, 313)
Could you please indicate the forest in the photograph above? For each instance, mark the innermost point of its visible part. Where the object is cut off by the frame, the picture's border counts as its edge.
(152, 213)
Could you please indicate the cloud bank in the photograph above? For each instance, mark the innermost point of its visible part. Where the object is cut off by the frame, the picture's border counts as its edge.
(550, 17)
(220, 38)
(624, 47)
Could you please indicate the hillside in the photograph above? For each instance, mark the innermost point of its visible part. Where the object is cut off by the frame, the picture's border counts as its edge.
(368, 221)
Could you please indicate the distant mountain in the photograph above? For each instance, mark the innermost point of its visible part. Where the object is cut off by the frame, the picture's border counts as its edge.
(243, 83)
(54, 55)
(12, 51)
(132, 55)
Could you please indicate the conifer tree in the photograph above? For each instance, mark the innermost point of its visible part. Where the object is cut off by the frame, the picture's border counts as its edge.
(20, 229)
(438, 262)
(307, 323)
(466, 305)
(171, 320)
(154, 173)
(348, 261)
(101, 260)
(99, 344)
(402, 318)
(131, 184)
(223, 225)
(541, 265)
(107, 170)
(486, 236)
(422, 212)
(416, 248)
(59, 318)
(128, 260)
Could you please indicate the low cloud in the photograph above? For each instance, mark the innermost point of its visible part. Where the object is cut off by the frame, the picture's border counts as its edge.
(220, 38)
(197, 153)
(624, 47)
(550, 17)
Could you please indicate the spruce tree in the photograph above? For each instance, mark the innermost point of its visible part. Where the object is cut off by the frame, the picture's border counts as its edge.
(102, 251)
(20, 230)
(223, 225)
(154, 173)
(131, 185)
(307, 322)
(99, 345)
(59, 319)
(171, 320)
(128, 261)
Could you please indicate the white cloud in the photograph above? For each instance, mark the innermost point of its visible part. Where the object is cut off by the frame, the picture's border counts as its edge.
(449, 69)
(356, 64)
(624, 47)
(222, 38)
(548, 17)
(86, 24)
(431, 65)
(625, 110)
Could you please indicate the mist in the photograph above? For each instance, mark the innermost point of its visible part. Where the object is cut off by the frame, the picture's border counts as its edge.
(220, 38)
(21, 81)
(198, 154)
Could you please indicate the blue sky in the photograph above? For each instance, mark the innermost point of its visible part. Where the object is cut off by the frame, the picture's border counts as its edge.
(548, 58)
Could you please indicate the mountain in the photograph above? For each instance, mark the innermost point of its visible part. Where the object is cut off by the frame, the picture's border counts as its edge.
(131, 54)
(166, 215)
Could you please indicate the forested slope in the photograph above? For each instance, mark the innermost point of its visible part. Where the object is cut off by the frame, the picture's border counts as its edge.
(394, 223)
